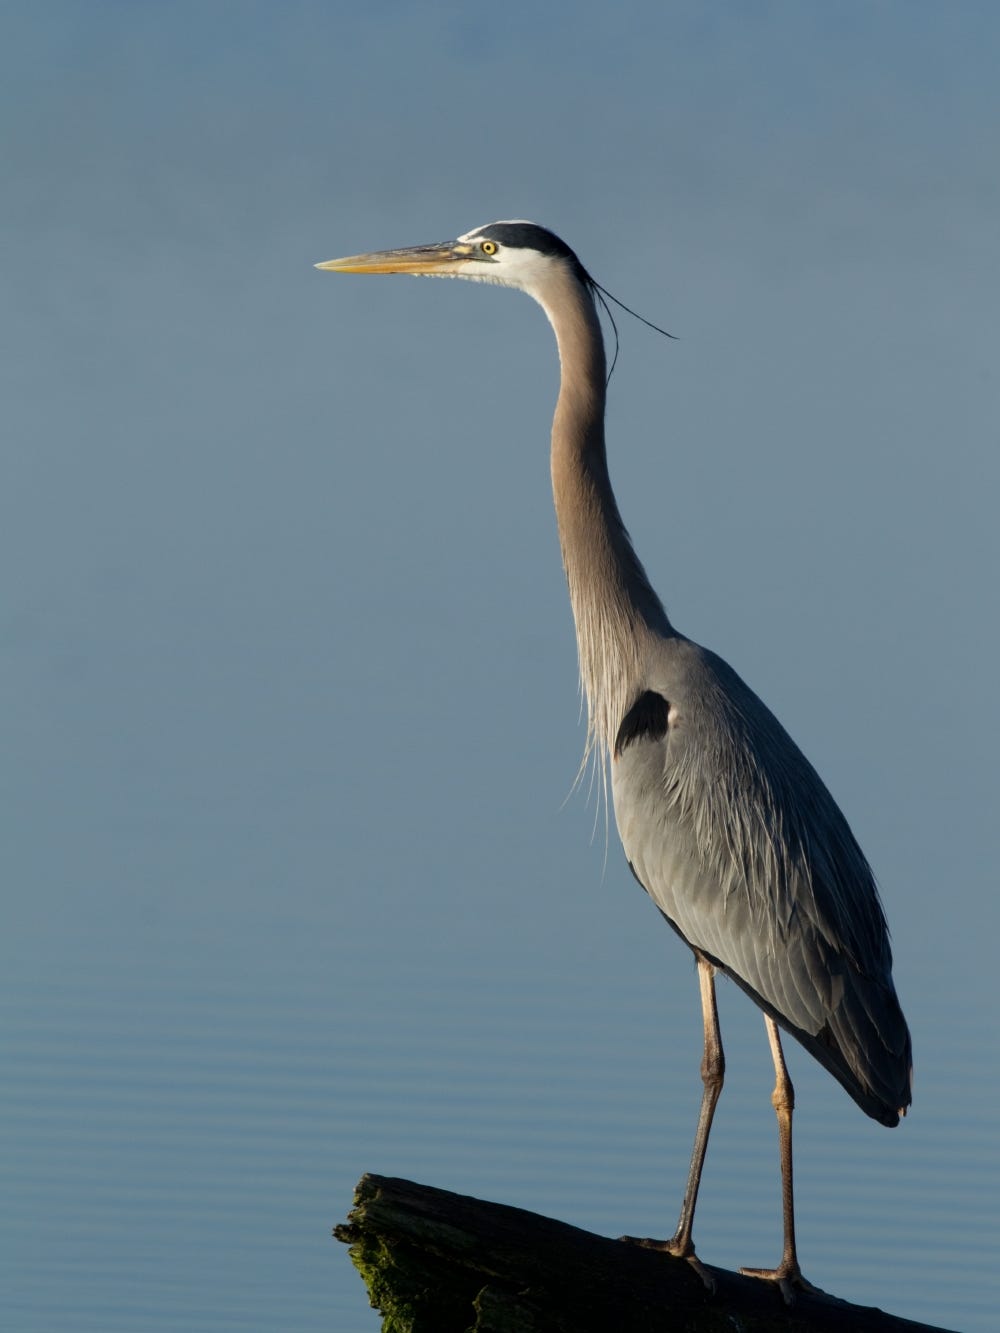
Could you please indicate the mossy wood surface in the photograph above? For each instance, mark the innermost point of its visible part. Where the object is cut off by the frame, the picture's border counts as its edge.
(436, 1262)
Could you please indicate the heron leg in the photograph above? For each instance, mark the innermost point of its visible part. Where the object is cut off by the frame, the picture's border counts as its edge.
(787, 1275)
(713, 1069)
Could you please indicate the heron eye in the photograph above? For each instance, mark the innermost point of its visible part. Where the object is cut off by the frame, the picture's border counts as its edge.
(489, 247)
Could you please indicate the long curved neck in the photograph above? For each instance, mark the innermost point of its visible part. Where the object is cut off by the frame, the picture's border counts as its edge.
(615, 610)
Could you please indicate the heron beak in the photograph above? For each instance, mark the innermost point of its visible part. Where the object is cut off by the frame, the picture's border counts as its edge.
(429, 259)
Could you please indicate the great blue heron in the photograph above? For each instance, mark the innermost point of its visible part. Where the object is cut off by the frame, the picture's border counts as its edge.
(725, 823)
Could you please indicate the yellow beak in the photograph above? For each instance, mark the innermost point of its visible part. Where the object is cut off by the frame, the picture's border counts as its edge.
(431, 259)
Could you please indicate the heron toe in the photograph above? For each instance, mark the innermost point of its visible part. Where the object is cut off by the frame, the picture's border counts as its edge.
(787, 1276)
(680, 1249)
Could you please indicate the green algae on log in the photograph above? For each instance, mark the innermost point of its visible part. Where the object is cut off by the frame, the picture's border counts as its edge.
(437, 1262)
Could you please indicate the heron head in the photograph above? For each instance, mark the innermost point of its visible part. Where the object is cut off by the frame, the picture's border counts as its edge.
(511, 254)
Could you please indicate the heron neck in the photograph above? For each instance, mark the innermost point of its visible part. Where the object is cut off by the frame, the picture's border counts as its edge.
(615, 610)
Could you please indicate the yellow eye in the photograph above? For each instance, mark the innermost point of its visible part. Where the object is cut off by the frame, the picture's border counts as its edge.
(489, 247)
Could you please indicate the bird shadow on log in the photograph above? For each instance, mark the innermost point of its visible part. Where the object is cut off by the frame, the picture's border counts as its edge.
(437, 1262)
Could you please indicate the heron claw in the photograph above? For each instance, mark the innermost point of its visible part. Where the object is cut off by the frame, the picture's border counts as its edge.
(787, 1277)
(679, 1249)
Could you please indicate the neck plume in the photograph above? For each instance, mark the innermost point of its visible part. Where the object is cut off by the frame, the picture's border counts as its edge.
(615, 610)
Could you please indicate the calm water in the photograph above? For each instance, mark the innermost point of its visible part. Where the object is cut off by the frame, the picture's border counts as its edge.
(176, 1149)
(288, 891)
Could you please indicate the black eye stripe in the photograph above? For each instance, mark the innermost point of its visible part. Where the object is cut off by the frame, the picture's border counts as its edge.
(527, 236)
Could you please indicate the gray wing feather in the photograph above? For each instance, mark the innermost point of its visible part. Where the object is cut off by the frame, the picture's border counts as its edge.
(733, 834)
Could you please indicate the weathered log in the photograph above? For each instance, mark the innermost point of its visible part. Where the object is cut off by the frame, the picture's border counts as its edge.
(437, 1262)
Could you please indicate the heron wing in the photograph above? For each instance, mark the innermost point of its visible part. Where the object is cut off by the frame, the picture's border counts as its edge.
(738, 842)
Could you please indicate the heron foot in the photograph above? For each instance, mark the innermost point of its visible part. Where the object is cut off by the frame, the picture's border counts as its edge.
(680, 1249)
(787, 1276)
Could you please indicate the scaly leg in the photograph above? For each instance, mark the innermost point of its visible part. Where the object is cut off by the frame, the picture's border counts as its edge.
(713, 1068)
(787, 1274)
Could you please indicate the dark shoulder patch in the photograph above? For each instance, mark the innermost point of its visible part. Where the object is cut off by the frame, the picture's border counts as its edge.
(645, 720)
